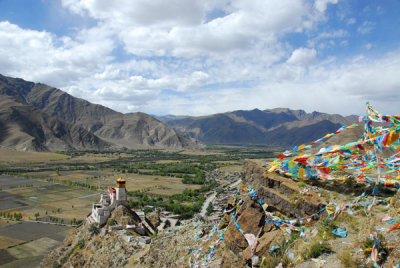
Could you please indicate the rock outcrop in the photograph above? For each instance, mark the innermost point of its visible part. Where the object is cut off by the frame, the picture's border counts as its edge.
(258, 229)
(281, 194)
(249, 232)
(251, 219)
(153, 218)
(124, 216)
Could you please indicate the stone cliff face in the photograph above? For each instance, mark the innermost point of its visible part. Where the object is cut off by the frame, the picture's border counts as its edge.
(280, 193)
(251, 231)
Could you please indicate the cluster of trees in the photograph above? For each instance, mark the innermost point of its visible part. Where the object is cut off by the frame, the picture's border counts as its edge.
(198, 178)
(185, 210)
(75, 183)
(186, 204)
(144, 200)
(75, 221)
(16, 216)
(170, 169)
(56, 220)
(191, 173)
(20, 186)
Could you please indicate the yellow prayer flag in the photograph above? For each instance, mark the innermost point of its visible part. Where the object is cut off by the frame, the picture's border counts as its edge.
(301, 172)
(392, 137)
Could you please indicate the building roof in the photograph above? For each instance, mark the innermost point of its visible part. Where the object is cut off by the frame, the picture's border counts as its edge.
(112, 189)
(121, 180)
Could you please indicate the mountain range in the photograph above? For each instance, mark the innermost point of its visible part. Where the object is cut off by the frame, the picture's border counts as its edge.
(37, 117)
(280, 126)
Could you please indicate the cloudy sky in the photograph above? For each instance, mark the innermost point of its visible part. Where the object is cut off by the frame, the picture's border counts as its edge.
(196, 57)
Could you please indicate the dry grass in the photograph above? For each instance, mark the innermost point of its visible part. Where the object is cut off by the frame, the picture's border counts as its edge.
(6, 242)
(91, 158)
(316, 249)
(37, 247)
(350, 221)
(4, 222)
(168, 161)
(270, 261)
(195, 152)
(237, 168)
(346, 258)
(11, 156)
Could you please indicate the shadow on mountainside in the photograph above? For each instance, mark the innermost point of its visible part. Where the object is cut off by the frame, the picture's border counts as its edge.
(4, 131)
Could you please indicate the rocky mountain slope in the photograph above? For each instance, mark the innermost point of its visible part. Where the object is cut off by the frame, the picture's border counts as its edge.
(26, 128)
(279, 126)
(271, 221)
(121, 130)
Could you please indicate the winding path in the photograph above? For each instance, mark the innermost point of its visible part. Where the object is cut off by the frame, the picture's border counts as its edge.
(205, 204)
(212, 197)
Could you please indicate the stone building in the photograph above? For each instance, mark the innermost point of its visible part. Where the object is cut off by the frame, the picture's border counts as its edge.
(108, 202)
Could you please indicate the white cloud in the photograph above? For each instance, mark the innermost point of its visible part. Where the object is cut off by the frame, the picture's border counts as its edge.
(329, 86)
(333, 34)
(303, 56)
(42, 57)
(366, 27)
(321, 5)
(351, 21)
(201, 57)
(369, 46)
(141, 12)
(179, 28)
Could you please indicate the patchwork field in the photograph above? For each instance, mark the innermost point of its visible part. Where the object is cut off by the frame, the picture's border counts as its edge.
(23, 244)
(9, 182)
(56, 200)
(52, 191)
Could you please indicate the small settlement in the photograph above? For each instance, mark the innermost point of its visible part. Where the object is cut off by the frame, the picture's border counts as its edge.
(116, 200)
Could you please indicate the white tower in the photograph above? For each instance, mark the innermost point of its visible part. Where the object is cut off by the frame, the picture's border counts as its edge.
(121, 192)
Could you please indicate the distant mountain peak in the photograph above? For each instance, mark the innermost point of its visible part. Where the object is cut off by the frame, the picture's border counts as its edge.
(278, 126)
(109, 127)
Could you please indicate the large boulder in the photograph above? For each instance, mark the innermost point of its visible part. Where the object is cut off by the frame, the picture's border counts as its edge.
(265, 242)
(268, 240)
(250, 218)
(153, 218)
(280, 193)
(124, 216)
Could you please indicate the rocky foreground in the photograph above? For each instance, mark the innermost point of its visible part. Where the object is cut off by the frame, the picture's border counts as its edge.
(270, 221)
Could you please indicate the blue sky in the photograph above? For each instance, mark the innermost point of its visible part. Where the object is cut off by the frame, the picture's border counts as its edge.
(197, 57)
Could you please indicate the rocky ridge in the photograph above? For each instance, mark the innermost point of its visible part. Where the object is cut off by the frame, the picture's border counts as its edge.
(269, 221)
(280, 126)
(110, 128)
(26, 128)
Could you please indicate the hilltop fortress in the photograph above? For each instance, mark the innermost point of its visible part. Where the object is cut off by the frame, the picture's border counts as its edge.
(108, 202)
